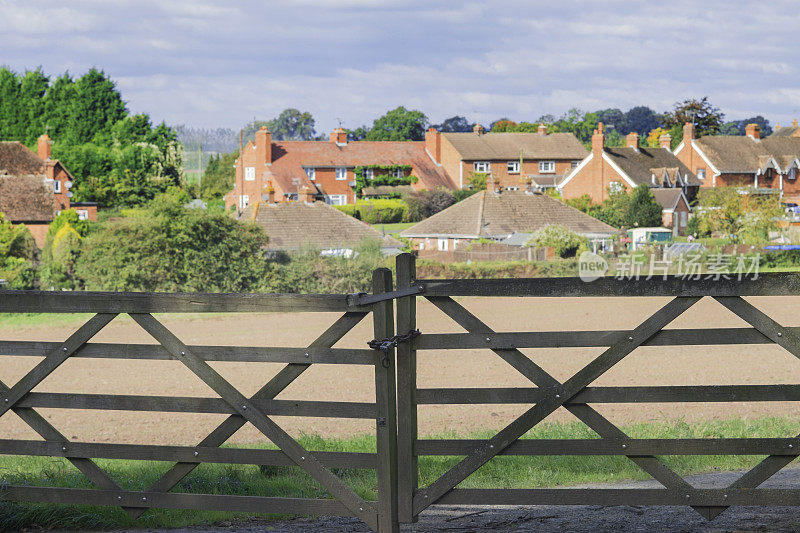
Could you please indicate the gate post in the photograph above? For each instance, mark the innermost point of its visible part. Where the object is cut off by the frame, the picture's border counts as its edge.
(408, 474)
(386, 400)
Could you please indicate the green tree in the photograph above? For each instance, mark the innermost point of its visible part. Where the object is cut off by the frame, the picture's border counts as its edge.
(17, 255)
(565, 242)
(455, 124)
(707, 119)
(96, 107)
(219, 176)
(292, 125)
(11, 125)
(643, 211)
(737, 211)
(58, 107)
(640, 119)
(32, 89)
(399, 124)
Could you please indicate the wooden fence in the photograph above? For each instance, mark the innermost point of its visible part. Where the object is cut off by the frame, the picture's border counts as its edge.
(257, 409)
(548, 394)
(400, 499)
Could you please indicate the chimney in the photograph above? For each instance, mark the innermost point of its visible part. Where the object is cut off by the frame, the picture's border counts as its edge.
(632, 140)
(688, 134)
(752, 131)
(433, 143)
(665, 141)
(264, 146)
(339, 136)
(270, 192)
(598, 139)
(480, 130)
(43, 147)
(542, 129)
(794, 123)
(308, 195)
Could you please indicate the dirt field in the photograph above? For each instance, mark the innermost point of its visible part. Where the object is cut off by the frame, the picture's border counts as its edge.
(646, 366)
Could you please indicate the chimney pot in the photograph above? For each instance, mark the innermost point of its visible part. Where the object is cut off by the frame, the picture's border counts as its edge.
(688, 134)
(665, 141)
(598, 140)
(753, 131)
(632, 140)
(43, 147)
(339, 136)
(542, 128)
(480, 130)
(794, 123)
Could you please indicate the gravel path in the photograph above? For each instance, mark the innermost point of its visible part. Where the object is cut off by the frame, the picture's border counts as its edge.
(559, 519)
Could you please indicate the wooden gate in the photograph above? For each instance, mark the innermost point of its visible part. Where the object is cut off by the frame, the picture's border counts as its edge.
(548, 394)
(379, 515)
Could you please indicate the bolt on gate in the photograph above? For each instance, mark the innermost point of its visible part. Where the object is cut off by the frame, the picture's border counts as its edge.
(380, 515)
(547, 394)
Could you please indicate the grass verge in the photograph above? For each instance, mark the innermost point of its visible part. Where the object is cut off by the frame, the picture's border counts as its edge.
(501, 472)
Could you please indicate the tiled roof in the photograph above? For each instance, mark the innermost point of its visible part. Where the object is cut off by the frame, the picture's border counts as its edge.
(498, 215)
(17, 160)
(642, 163)
(786, 131)
(492, 146)
(741, 154)
(289, 158)
(26, 198)
(667, 197)
(295, 225)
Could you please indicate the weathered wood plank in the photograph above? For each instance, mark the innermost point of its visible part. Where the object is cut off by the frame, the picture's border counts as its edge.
(743, 446)
(143, 452)
(162, 302)
(656, 394)
(244, 354)
(272, 388)
(587, 339)
(172, 500)
(386, 401)
(187, 404)
(769, 284)
(263, 423)
(562, 394)
(408, 468)
(607, 497)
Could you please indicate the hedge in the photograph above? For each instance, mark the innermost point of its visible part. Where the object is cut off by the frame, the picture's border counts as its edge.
(377, 211)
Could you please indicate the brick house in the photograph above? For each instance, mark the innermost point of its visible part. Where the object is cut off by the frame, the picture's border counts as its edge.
(627, 167)
(496, 216)
(510, 159)
(744, 161)
(34, 187)
(326, 168)
(675, 209)
(293, 226)
(787, 131)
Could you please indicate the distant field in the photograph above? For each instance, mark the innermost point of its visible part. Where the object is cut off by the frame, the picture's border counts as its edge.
(393, 229)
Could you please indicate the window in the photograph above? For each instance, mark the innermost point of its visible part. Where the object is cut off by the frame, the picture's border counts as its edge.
(575, 164)
(311, 172)
(513, 167)
(56, 186)
(792, 173)
(615, 186)
(684, 216)
(481, 166)
(341, 174)
(441, 245)
(249, 173)
(244, 201)
(398, 173)
(422, 245)
(337, 199)
(512, 188)
(547, 167)
(83, 214)
(701, 173)
(369, 173)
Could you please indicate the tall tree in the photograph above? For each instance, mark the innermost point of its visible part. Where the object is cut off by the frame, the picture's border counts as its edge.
(96, 108)
(643, 210)
(58, 106)
(10, 120)
(399, 124)
(706, 118)
(738, 127)
(614, 118)
(32, 89)
(641, 119)
(455, 124)
(292, 125)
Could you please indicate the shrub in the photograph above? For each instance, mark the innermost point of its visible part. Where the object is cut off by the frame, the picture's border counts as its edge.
(424, 204)
(565, 242)
(18, 253)
(693, 227)
(462, 194)
(379, 211)
(643, 210)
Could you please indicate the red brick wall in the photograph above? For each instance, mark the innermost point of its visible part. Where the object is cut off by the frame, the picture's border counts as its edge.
(593, 179)
(39, 232)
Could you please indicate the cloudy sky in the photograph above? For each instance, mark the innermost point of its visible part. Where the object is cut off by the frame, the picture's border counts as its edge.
(206, 63)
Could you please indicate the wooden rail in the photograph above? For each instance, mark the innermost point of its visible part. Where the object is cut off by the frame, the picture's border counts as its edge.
(576, 395)
(380, 515)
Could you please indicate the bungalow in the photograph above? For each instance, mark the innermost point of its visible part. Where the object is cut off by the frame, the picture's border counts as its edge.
(293, 226)
(626, 167)
(34, 187)
(745, 161)
(496, 216)
(511, 161)
(333, 170)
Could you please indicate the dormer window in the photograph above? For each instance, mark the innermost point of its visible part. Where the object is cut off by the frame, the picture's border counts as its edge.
(792, 173)
(341, 173)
